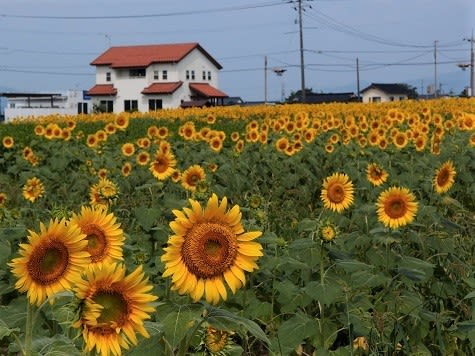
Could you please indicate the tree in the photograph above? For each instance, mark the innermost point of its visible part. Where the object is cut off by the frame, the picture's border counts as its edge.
(296, 96)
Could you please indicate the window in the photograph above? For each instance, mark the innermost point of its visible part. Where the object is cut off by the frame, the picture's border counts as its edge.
(108, 76)
(154, 104)
(164, 75)
(391, 98)
(82, 108)
(192, 75)
(376, 99)
(187, 75)
(131, 105)
(106, 106)
(209, 75)
(204, 75)
(402, 98)
(155, 75)
(137, 73)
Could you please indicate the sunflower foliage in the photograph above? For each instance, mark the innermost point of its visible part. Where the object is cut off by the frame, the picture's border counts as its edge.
(329, 229)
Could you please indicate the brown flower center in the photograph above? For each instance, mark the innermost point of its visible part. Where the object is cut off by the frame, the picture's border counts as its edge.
(209, 249)
(395, 207)
(336, 193)
(443, 177)
(96, 242)
(48, 262)
(114, 309)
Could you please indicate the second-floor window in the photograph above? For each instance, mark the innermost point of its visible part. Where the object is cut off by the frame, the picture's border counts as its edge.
(137, 73)
(155, 75)
(108, 76)
(204, 75)
(164, 75)
(192, 75)
(209, 75)
(187, 75)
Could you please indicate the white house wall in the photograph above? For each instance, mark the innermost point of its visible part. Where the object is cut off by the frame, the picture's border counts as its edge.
(131, 88)
(371, 93)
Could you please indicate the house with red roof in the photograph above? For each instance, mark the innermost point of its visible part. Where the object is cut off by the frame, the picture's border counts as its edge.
(153, 77)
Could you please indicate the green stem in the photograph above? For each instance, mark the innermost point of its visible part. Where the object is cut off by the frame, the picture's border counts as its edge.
(321, 305)
(29, 330)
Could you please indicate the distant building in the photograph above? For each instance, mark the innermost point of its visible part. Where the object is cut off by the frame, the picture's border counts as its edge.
(383, 92)
(151, 77)
(23, 104)
(319, 98)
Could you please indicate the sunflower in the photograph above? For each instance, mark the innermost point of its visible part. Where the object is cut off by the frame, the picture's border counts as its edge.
(33, 189)
(126, 169)
(8, 142)
(209, 247)
(191, 177)
(376, 175)
(361, 343)
(128, 149)
(163, 165)
(282, 144)
(216, 144)
(103, 193)
(327, 231)
(396, 207)
(51, 261)
(103, 233)
(337, 192)
(115, 306)
(121, 122)
(39, 130)
(142, 158)
(92, 140)
(444, 177)
(3, 199)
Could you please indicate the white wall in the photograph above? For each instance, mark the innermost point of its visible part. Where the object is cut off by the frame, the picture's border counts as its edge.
(373, 92)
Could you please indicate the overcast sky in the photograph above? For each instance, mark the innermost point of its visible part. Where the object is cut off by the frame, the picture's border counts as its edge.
(47, 45)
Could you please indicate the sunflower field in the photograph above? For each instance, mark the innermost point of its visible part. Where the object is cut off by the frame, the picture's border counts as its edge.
(331, 229)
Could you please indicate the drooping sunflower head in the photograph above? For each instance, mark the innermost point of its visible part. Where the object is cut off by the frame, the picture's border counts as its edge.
(104, 236)
(375, 174)
(104, 193)
(396, 207)
(215, 342)
(209, 247)
(115, 307)
(163, 165)
(337, 192)
(191, 176)
(33, 189)
(51, 261)
(444, 177)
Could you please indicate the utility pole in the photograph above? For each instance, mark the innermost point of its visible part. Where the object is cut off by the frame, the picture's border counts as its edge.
(435, 69)
(357, 79)
(472, 64)
(302, 66)
(265, 79)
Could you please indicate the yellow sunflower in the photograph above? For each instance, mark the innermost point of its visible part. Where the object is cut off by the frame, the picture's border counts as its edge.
(191, 177)
(8, 142)
(3, 199)
(376, 175)
(51, 261)
(396, 207)
(444, 177)
(103, 193)
(33, 189)
(128, 149)
(104, 236)
(142, 158)
(209, 247)
(163, 165)
(337, 192)
(126, 169)
(115, 306)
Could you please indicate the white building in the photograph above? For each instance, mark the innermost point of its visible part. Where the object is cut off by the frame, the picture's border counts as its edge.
(384, 92)
(23, 105)
(151, 77)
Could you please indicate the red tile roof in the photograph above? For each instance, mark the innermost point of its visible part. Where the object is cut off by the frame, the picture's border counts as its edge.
(207, 90)
(102, 89)
(162, 88)
(144, 55)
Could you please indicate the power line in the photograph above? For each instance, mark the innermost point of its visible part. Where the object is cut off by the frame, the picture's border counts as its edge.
(141, 16)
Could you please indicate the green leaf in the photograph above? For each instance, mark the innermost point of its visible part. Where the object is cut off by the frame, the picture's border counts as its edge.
(147, 217)
(294, 331)
(307, 225)
(325, 293)
(5, 330)
(225, 320)
(353, 265)
(177, 324)
(415, 269)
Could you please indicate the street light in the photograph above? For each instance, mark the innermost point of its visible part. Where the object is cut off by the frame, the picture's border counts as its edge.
(280, 72)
